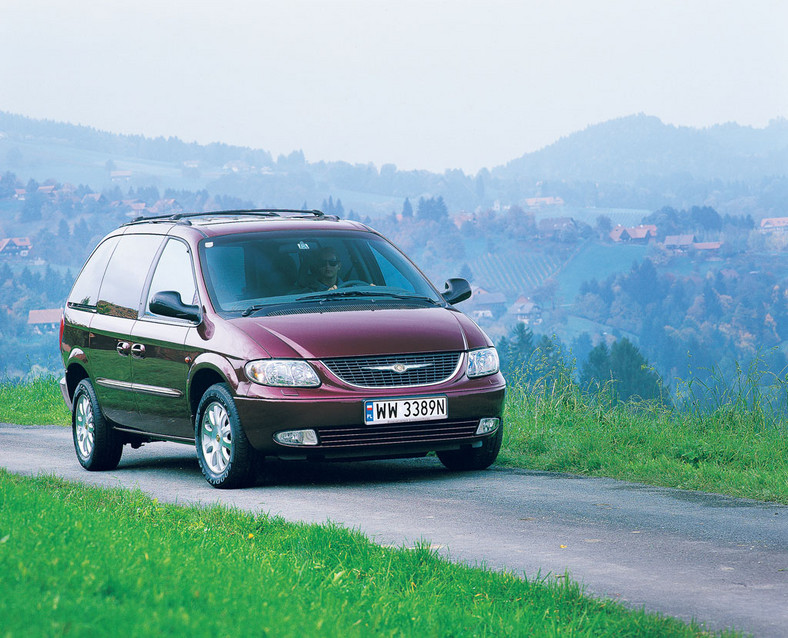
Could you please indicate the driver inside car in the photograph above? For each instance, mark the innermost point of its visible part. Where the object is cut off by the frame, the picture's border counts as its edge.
(324, 271)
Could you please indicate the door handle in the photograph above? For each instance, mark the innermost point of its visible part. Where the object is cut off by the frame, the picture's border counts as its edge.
(138, 351)
(123, 348)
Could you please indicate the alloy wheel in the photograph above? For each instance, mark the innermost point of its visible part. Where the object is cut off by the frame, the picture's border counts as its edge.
(216, 437)
(85, 426)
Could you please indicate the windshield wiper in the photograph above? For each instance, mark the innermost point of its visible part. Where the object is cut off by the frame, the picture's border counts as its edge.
(343, 294)
(327, 296)
(252, 309)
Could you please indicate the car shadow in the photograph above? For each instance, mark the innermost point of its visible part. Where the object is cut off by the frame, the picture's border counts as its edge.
(274, 473)
(277, 473)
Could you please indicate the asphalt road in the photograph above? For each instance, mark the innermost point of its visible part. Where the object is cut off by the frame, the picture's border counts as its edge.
(718, 560)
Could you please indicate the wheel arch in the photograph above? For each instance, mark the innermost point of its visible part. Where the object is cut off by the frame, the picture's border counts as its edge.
(201, 380)
(75, 373)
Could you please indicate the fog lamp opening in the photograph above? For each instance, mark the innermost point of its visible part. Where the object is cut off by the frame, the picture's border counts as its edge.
(487, 425)
(296, 437)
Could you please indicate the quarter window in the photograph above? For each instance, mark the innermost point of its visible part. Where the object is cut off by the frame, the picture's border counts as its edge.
(86, 288)
(121, 290)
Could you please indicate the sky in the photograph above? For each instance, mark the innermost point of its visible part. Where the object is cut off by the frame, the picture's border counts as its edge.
(422, 85)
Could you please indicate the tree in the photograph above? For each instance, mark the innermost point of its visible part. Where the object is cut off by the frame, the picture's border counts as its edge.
(34, 202)
(407, 209)
(632, 372)
(433, 209)
(642, 283)
(7, 184)
(546, 293)
(479, 184)
(603, 227)
(516, 351)
(623, 370)
(581, 347)
(596, 370)
(706, 217)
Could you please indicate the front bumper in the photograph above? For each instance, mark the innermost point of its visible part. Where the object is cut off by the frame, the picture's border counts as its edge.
(342, 432)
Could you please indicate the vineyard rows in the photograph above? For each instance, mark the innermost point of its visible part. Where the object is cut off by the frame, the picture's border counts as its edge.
(514, 274)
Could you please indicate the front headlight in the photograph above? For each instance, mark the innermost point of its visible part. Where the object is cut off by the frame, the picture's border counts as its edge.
(292, 373)
(483, 362)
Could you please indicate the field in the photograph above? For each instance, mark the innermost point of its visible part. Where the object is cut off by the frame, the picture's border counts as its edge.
(49, 159)
(596, 261)
(513, 275)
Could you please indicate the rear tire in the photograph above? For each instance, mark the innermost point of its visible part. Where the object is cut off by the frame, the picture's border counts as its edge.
(474, 458)
(227, 459)
(97, 445)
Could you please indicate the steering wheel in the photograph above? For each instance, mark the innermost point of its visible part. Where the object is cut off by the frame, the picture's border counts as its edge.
(353, 282)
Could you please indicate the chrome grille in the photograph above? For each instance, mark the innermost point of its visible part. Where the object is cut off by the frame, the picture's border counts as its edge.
(398, 370)
(397, 434)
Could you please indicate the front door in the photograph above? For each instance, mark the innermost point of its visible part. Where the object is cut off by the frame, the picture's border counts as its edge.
(160, 369)
(160, 361)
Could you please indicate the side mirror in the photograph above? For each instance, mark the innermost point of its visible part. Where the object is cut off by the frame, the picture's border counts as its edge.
(457, 290)
(168, 303)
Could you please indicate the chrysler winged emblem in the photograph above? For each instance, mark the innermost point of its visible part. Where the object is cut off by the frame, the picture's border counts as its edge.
(399, 368)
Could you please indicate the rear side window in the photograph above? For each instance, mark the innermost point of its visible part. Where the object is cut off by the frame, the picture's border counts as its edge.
(85, 292)
(121, 289)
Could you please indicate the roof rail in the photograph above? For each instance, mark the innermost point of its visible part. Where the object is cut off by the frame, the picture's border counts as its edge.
(184, 218)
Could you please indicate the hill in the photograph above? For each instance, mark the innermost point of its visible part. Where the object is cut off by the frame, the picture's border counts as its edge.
(635, 162)
(641, 147)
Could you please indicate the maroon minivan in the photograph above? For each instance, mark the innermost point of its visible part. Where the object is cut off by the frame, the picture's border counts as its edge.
(289, 334)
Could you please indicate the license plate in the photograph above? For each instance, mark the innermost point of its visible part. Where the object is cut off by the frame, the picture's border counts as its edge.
(405, 410)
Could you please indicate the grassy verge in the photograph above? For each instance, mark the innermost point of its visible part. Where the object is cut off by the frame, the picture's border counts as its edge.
(733, 450)
(85, 561)
(38, 402)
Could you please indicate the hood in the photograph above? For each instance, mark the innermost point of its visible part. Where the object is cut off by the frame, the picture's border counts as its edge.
(360, 333)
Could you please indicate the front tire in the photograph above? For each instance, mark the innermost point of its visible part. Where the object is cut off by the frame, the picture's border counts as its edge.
(470, 458)
(227, 459)
(97, 445)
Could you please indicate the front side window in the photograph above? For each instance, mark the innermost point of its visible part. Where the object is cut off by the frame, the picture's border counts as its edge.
(266, 271)
(121, 288)
(174, 272)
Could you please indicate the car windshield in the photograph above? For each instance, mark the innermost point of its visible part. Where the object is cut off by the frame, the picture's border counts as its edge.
(254, 273)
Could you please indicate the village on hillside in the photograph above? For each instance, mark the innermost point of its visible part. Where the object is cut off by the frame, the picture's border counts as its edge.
(537, 265)
(491, 300)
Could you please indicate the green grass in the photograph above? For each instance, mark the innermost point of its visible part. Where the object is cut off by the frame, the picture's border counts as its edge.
(733, 449)
(85, 561)
(38, 402)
